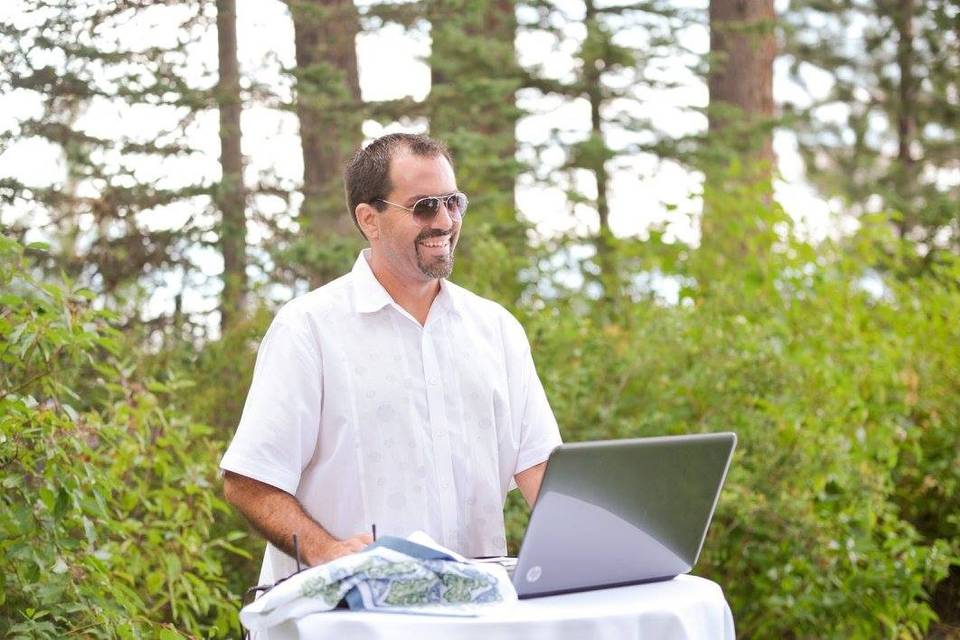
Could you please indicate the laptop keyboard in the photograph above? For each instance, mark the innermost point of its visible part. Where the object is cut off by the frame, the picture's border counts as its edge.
(507, 562)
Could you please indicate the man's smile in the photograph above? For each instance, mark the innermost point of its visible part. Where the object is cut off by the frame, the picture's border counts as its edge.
(436, 242)
(434, 251)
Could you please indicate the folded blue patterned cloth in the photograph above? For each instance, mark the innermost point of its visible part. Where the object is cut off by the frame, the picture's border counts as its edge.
(396, 575)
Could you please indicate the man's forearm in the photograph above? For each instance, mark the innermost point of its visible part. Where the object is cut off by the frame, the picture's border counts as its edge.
(277, 515)
(529, 481)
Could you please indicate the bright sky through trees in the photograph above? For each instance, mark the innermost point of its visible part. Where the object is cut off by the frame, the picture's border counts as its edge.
(392, 66)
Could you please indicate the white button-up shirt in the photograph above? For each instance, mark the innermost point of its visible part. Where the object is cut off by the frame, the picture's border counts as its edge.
(367, 417)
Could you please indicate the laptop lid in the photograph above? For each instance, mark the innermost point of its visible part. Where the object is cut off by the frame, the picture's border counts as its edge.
(622, 512)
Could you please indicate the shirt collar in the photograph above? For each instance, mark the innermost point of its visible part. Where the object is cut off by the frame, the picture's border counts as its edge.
(370, 296)
(446, 299)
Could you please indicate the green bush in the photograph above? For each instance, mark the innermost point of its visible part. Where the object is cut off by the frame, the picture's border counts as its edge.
(221, 370)
(839, 515)
(110, 499)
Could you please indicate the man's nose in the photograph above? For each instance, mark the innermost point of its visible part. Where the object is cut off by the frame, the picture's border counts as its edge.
(443, 219)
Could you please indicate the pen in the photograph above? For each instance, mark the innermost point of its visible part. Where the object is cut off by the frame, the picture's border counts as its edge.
(374, 532)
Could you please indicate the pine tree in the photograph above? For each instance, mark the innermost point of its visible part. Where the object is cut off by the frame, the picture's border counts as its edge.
(742, 49)
(472, 106)
(330, 112)
(472, 103)
(230, 194)
(611, 74)
(111, 224)
(883, 135)
(737, 159)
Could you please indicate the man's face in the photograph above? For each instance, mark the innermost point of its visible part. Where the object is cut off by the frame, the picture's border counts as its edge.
(415, 250)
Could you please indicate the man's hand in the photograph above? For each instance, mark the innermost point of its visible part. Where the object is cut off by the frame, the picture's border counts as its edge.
(332, 549)
(278, 516)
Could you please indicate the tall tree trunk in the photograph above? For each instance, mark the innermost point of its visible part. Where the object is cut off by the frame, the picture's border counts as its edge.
(597, 161)
(230, 193)
(906, 114)
(474, 78)
(472, 107)
(742, 48)
(330, 111)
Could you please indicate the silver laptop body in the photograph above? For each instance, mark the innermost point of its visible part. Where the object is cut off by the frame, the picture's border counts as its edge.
(621, 512)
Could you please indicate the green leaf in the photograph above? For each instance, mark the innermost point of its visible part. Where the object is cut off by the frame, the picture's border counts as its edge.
(62, 505)
(71, 412)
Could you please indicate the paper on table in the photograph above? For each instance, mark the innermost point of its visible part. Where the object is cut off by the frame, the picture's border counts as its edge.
(384, 579)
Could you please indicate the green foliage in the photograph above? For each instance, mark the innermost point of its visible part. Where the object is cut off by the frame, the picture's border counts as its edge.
(839, 514)
(840, 517)
(838, 520)
(471, 107)
(882, 133)
(80, 61)
(110, 499)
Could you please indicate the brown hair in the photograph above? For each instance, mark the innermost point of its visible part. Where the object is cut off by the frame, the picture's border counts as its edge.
(367, 176)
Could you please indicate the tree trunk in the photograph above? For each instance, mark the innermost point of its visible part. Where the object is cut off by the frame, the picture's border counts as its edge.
(472, 108)
(737, 190)
(474, 78)
(906, 114)
(330, 111)
(593, 83)
(743, 47)
(230, 193)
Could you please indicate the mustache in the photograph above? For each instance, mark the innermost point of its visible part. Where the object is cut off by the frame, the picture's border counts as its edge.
(433, 233)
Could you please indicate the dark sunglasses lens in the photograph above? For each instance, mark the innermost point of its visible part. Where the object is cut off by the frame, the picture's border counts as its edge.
(457, 204)
(426, 209)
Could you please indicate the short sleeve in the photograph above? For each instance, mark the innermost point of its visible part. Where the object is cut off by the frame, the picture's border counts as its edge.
(280, 424)
(539, 433)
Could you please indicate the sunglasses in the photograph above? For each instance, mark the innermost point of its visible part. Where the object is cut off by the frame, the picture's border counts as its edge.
(426, 209)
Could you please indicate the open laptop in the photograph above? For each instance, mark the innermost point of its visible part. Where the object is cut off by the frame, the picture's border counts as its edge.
(621, 512)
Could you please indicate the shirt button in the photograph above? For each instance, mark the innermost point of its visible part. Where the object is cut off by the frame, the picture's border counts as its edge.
(434, 381)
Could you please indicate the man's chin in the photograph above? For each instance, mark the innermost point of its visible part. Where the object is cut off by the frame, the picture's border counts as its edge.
(437, 267)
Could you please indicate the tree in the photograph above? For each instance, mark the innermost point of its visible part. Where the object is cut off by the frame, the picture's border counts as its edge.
(882, 134)
(331, 113)
(621, 56)
(742, 50)
(472, 106)
(472, 102)
(739, 150)
(105, 213)
(230, 191)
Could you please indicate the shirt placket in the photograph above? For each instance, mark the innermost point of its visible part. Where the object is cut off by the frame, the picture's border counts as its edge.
(443, 458)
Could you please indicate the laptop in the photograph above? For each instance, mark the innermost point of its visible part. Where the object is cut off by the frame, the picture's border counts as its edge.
(621, 512)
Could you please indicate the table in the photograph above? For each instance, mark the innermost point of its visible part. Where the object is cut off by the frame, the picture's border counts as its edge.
(685, 608)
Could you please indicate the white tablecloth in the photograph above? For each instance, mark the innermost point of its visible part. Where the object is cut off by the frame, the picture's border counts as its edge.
(685, 608)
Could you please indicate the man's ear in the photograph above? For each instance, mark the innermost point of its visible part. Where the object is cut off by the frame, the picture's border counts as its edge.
(368, 219)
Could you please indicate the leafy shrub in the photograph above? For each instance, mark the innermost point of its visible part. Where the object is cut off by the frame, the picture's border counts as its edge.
(221, 371)
(839, 518)
(109, 498)
(839, 515)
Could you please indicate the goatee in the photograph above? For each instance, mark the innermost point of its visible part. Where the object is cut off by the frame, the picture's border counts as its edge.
(436, 267)
(440, 267)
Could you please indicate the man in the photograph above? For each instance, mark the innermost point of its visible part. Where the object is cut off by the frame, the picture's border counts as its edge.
(390, 396)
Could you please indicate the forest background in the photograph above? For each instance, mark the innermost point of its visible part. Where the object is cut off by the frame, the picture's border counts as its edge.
(626, 204)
